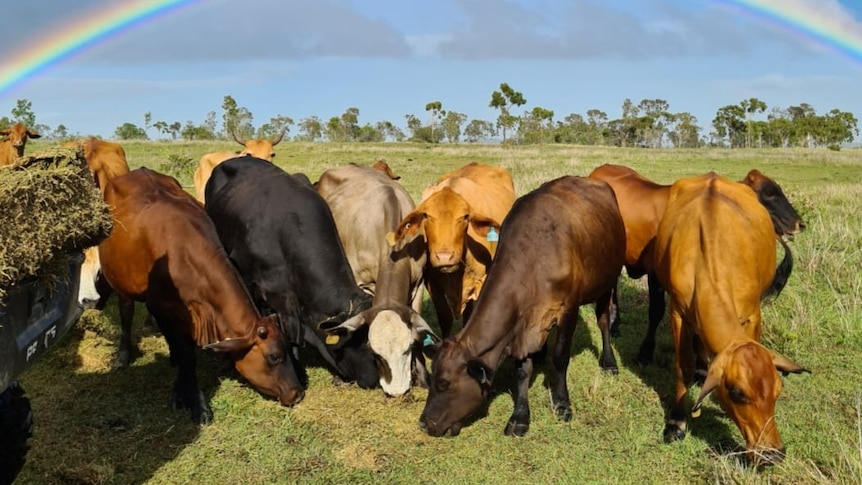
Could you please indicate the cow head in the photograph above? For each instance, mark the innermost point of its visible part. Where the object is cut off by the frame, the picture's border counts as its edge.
(262, 358)
(392, 338)
(18, 135)
(785, 219)
(88, 295)
(442, 219)
(259, 148)
(745, 378)
(459, 385)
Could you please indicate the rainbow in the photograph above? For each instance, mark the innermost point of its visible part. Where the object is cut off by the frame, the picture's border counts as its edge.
(826, 23)
(87, 30)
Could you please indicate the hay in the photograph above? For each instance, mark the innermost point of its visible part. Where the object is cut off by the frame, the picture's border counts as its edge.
(49, 208)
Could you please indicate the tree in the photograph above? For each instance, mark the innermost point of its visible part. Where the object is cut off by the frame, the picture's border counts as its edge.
(148, 121)
(5, 122)
(175, 128)
(368, 133)
(504, 100)
(451, 125)
(61, 132)
(436, 109)
(479, 130)
(237, 120)
(751, 107)
(839, 127)
(310, 129)
(23, 113)
(196, 132)
(275, 126)
(729, 123)
(390, 131)
(413, 125)
(683, 130)
(597, 123)
(130, 131)
(536, 126)
(161, 127)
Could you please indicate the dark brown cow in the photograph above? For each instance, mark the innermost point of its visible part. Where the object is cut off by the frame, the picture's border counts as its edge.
(715, 255)
(260, 148)
(642, 203)
(367, 203)
(165, 252)
(12, 142)
(454, 219)
(561, 246)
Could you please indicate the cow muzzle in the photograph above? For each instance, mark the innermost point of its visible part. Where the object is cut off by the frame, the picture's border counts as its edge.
(766, 456)
(446, 261)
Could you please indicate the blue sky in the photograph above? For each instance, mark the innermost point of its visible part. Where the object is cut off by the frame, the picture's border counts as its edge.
(389, 58)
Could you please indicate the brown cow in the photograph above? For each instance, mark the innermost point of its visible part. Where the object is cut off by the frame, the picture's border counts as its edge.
(642, 203)
(562, 246)
(715, 255)
(164, 251)
(367, 203)
(260, 148)
(105, 160)
(455, 218)
(13, 141)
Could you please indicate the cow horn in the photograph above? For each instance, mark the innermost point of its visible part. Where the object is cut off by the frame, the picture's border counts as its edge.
(280, 136)
(238, 139)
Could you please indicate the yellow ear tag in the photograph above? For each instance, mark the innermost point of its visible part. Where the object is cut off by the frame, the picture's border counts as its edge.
(332, 339)
(695, 413)
(390, 238)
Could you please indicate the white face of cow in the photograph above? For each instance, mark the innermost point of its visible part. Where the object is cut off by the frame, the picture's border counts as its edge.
(392, 340)
(87, 293)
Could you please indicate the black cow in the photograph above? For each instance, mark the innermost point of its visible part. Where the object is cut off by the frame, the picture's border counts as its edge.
(281, 235)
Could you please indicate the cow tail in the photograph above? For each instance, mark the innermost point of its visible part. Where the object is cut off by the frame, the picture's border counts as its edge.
(782, 274)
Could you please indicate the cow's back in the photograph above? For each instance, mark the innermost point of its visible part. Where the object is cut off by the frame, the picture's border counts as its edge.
(715, 243)
(489, 190)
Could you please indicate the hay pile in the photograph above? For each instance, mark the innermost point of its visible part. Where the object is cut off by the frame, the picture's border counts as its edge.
(49, 207)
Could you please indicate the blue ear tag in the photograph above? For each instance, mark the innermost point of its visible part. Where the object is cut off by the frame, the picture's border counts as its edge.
(428, 340)
(493, 235)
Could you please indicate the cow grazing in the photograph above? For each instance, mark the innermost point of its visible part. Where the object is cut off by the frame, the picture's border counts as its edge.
(454, 219)
(367, 203)
(642, 204)
(105, 160)
(12, 142)
(164, 251)
(260, 148)
(280, 234)
(562, 246)
(715, 255)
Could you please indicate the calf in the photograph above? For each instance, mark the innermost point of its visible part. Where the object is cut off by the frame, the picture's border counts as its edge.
(561, 246)
(13, 142)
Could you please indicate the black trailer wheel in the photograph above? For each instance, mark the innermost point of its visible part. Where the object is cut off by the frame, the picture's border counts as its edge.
(16, 427)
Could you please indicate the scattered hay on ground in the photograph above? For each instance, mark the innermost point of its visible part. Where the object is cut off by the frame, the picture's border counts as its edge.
(50, 208)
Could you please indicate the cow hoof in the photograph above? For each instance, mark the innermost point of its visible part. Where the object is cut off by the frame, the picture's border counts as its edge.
(203, 416)
(673, 433)
(563, 412)
(644, 357)
(122, 360)
(611, 369)
(516, 429)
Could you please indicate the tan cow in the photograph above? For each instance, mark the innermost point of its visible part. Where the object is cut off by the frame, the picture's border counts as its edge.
(13, 141)
(715, 256)
(259, 148)
(455, 218)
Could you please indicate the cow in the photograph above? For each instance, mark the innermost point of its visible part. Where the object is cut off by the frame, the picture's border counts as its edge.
(13, 141)
(715, 255)
(280, 234)
(260, 148)
(642, 204)
(561, 246)
(105, 160)
(164, 251)
(455, 220)
(367, 203)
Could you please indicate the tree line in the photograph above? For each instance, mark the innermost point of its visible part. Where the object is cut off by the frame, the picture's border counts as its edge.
(647, 124)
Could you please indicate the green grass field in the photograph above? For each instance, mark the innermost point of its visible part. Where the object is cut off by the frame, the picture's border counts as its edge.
(94, 425)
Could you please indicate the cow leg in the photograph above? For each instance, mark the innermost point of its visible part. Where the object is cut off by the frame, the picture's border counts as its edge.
(185, 393)
(127, 313)
(562, 354)
(615, 314)
(656, 312)
(519, 423)
(675, 427)
(443, 311)
(603, 316)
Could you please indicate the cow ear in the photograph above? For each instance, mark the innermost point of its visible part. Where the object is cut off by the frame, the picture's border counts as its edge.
(409, 228)
(348, 326)
(482, 225)
(713, 379)
(787, 366)
(424, 335)
(231, 345)
(33, 134)
(481, 372)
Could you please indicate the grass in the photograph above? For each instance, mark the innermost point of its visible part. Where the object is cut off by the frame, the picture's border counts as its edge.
(95, 425)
